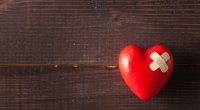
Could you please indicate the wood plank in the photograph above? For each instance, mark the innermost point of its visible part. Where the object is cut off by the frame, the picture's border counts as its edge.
(84, 88)
(61, 31)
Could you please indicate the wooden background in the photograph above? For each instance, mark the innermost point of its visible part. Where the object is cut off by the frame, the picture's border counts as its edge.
(94, 32)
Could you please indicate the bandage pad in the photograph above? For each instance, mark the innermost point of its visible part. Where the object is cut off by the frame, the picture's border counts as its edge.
(159, 61)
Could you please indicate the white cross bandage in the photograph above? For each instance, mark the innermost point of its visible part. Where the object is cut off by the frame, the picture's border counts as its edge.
(159, 61)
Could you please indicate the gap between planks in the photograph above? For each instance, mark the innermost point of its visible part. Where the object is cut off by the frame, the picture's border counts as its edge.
(107, 66)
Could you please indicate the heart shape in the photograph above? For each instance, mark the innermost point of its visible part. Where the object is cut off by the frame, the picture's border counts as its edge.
(146, 71)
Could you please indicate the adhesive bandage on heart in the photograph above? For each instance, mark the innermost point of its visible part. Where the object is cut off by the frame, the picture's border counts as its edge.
(159, 61)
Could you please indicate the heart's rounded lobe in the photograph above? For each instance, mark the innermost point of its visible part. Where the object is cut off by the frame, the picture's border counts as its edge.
(134, 66)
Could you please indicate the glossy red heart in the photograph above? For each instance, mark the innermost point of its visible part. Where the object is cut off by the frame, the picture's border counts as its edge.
(145, 71)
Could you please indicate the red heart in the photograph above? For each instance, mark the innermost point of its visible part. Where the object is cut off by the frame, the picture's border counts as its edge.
(145, 80)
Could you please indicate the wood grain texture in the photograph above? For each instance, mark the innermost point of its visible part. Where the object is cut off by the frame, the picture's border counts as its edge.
(84, 88)
(60, 31)
(94, 32)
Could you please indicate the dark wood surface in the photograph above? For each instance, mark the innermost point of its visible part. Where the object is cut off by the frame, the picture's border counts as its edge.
(94, 32)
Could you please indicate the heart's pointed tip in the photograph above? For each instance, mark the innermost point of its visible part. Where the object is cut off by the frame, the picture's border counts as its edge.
(145, 99)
